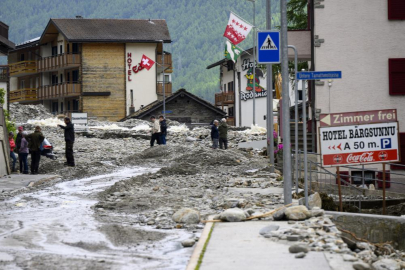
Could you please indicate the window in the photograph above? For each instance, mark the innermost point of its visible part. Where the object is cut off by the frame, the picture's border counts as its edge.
(224, 88)
(396, 10)
(61, 78)
(60, 49)
(68, 105)
(75, 48)
(68, 77)
(54, 50)
(75, 105)
(22, 57)
(22, 84)
(61, 106)
(300, 95)
(75, 76)
(396, 69)
(167, 78)
(401, 154)
(230, 87)
(54, 79)
(54, 107)
(230, 111)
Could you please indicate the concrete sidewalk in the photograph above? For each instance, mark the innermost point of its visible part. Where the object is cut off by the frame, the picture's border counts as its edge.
(17, 181)
(239, 245)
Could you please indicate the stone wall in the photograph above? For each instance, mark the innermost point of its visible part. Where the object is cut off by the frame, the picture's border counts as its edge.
(103, 70)
(186, 110)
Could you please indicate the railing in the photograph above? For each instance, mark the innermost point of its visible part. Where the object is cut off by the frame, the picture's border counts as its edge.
(23, 68)
(230, 121)
(59, 61)
(59, 90)
(168, 88)
(224, 98)
(168, 62)
(3, 73)
(23, 95)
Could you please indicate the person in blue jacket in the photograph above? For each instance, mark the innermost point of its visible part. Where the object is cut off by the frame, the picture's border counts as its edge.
(215, 134)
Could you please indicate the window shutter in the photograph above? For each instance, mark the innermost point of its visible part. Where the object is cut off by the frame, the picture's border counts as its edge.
(401, 151)
(396, 76)
(396, 10)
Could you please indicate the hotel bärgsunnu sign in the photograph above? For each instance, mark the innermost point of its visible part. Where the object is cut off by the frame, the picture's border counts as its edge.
(359, 138)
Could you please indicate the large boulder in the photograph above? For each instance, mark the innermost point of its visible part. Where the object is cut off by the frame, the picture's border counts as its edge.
(314, 200)
(187, 215)
(386, 264)
(279, 215)
(298, 212)
(233, 215)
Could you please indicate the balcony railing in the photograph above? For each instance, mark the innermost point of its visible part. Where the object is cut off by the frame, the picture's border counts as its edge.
(3, 73)
(23, 95)
(224, 98)
(59, 90)
(23, 68)
(55, 62)
(230, 121)
(168, 88)
(168, 63)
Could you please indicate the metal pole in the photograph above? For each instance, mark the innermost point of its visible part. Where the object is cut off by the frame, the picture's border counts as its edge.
(304, 129)
(384, 203)
(269, 86)
(254, 62)
(339, 189)
(286, 106)
(296, 112)
(164, 81)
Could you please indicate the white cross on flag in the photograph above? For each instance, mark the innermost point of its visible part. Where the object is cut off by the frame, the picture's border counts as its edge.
(146, 62)
(237, 29)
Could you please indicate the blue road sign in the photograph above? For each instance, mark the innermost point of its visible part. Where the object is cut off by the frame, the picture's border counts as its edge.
(268, 47)
(167, 111)
(319, 75)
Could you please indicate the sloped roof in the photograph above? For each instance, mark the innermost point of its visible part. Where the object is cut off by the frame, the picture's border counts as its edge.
(110, 30)
(158, 103)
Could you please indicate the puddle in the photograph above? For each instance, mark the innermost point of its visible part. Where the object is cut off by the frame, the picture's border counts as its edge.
(55, 228)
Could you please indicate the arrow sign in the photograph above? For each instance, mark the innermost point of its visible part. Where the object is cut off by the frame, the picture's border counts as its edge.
(326, 119)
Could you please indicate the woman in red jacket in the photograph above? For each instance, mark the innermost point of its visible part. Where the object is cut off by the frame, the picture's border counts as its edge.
(12, 146)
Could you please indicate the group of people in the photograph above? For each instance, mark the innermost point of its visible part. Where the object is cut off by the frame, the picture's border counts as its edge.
(219, 134)
(159, 130)
(33, 144)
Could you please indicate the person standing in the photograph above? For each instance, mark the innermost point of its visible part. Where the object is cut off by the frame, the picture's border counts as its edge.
(163, 129)
(155, 131)
(12, 147)
(223, 134)
(215, 134)
(18, 146)
(34, 143)
(69, 139)
(23, 153)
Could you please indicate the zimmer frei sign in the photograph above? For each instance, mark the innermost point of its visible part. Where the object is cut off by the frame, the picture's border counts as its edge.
(146, 62)
(360, 144)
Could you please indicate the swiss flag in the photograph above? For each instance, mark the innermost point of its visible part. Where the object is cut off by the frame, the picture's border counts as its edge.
(146, 62)
(237, 29)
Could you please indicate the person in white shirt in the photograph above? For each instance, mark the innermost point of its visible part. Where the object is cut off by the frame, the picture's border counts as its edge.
(155, 131)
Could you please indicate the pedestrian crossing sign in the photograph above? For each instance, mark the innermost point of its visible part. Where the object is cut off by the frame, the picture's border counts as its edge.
(268, 49)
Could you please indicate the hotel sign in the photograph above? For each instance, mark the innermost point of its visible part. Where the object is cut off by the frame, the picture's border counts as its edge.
(146, 62)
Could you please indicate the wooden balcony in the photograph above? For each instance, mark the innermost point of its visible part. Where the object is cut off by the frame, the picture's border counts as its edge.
(23, 68)
(4, 73)
(59, 90)
(53, 63)
(230, 121)
(168, 88)
(224, 98)
(23, 95)
(168, 63)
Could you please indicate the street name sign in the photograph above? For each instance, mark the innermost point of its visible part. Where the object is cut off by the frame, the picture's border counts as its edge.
(268, 47)
(358, 118)
(319, 75)
(359, 144)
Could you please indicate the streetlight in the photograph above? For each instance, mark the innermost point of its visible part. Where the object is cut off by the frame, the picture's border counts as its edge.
(163, 83)
(254, 60)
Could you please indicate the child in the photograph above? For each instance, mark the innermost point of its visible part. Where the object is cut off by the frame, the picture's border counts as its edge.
(12, 146)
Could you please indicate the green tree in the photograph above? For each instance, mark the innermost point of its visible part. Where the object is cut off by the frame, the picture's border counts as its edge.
(9, 124)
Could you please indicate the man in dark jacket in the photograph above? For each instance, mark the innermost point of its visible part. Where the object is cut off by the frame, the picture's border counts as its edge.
(34, 143)
(223, 134)
(163, 129)
(215, 134)
(18, 146)
(69, 139)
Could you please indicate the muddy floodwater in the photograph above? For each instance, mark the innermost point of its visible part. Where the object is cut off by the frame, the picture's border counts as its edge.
(56, 228)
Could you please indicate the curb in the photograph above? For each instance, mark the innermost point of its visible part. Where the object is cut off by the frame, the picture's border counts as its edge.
(193, 262)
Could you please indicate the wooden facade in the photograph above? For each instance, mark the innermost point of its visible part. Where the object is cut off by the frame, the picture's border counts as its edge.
(103, 71)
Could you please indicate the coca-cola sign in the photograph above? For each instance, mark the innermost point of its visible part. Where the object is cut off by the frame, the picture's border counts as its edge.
(359, 144)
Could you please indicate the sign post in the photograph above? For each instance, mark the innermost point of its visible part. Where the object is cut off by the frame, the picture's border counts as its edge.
(384, 189)
(339, 189)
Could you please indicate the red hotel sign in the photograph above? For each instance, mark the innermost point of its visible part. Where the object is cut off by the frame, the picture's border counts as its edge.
(358, 118)
(359, 144)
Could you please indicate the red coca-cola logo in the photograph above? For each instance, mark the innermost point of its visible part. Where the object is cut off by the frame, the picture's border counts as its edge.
(382, 155)
(337, 159)
(360, 158)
